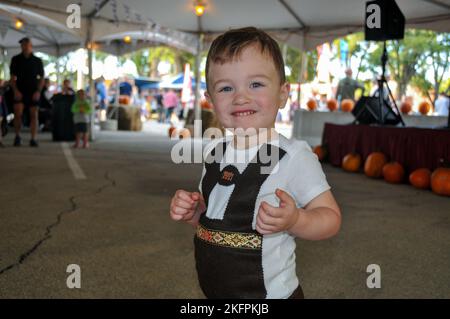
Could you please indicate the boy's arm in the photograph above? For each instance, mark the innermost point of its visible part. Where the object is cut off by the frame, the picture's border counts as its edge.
(320, 219)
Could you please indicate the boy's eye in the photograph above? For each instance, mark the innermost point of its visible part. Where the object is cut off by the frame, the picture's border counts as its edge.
(225, 89)
(256, 85)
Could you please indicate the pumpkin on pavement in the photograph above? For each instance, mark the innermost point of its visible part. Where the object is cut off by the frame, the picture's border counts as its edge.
(420, 178)
(393, 172)
(171, 131)
(321, 152)
(373, 167)
(440, 181)
(351, 162)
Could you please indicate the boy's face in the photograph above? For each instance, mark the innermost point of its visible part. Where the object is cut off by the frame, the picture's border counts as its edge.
(246, 92)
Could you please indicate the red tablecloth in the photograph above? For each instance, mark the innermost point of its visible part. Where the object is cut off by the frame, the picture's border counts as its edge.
(410, 146)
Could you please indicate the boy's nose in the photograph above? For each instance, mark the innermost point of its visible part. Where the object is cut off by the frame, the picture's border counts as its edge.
(240, 98)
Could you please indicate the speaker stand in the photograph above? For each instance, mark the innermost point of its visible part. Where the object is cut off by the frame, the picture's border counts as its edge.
(388, 102)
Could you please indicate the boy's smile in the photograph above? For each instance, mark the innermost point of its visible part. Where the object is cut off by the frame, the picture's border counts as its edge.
(246, 92)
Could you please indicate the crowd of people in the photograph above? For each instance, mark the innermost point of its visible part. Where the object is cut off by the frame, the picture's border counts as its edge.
(29, 96)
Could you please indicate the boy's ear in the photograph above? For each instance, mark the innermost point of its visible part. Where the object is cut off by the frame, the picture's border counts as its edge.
(284, 94)
(208, 97)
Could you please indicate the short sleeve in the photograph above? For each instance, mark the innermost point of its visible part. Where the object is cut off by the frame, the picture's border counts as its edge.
(309, 180)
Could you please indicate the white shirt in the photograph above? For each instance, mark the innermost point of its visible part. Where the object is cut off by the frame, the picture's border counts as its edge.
(300, 174)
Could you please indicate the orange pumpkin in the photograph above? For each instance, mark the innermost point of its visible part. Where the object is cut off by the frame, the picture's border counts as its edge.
(440, 181)
(373, 167)
(124, 99)
(311, 104)
(171, 131)
(393, 172)
(406, 107)
(332, 105)
(424, 108)
(321, 152)
(204, 104)
(351, 162)
(420, 178)
(347, 105)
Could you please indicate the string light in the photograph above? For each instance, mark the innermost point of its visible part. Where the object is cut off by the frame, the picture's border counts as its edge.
(199, 8)
(127, 39)
(18, 24)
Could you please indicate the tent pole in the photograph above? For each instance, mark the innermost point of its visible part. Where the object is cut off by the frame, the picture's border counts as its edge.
(58, 77)
(197, 108)
(301, 76)
(91, 81)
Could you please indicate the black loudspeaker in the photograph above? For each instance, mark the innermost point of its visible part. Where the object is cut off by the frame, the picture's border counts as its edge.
(383, 21)
(367, 111)
(63, 128)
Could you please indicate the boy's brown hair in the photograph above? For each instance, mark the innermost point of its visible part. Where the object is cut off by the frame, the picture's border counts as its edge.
(230, 44)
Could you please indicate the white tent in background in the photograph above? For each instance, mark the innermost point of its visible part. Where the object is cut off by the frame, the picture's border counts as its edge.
(300, 23)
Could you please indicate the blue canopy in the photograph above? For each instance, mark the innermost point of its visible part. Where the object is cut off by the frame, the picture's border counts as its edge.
(177, 83)
(144, 83)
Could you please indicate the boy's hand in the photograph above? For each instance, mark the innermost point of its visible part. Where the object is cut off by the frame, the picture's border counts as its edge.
(184, 205)
(273, 219)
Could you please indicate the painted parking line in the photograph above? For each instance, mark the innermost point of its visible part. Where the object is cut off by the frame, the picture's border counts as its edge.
(72, 162)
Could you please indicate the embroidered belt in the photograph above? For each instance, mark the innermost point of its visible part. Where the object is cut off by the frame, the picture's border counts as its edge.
(230, 239)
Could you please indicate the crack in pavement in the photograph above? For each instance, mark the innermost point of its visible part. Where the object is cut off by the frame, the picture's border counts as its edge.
(48, 229)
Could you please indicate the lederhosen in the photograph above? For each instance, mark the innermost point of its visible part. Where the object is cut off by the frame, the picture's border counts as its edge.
(228, 252)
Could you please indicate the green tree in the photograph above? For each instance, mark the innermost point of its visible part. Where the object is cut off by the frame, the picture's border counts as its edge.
(357, 48)
(147, 59)
(404, 57)
(436, 59)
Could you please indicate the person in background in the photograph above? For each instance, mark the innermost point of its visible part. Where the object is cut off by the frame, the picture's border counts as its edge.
(441, 105)
(159, 105)
(125, 87)
(112, 92)
(347, 87)
(81, 110)
(27, 80)
(45, 110)
(67, 88)
(170, 101)
(102, 97)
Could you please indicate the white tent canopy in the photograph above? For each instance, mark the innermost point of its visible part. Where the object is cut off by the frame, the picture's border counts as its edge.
(47, 28)
(301, 23)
